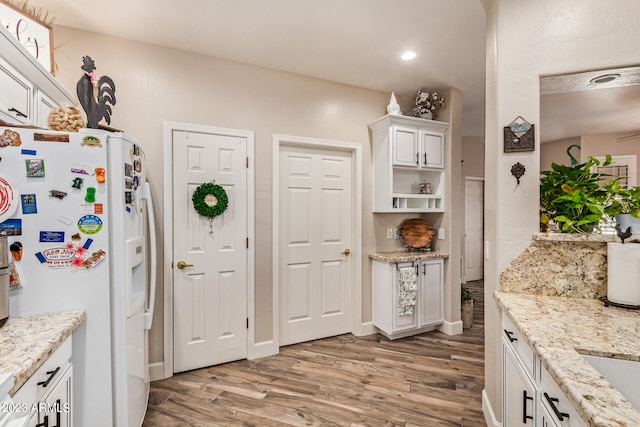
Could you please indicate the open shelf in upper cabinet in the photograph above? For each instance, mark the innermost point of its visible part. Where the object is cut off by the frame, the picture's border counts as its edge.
(407, 152)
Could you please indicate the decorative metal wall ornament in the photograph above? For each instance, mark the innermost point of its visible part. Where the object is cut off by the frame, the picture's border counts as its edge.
(518, 170)
(519, 136)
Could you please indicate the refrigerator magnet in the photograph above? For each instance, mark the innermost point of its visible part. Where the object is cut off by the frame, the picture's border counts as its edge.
(51, 236)
(100, 175)
(10, 137)
(35, 167)
(11, 227)
(89, 224)
(8, 197)
(90, 197)
(81, 168)
(51, 137)
(77, 183)
(16, 250)
(91, 141)
(57, 194)
(29, 205)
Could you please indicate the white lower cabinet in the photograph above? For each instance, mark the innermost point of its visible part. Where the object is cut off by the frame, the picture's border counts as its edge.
(519, 401)
(46, 395)
(393, 317)
(530, 396)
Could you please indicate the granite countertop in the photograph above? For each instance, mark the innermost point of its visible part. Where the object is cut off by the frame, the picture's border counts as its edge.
(559, 329)
(404, 256)
(26, 342)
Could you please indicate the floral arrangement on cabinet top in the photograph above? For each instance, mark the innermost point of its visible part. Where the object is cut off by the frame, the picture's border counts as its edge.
(427, 105)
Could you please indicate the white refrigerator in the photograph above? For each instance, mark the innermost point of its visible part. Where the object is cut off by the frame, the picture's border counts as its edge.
(78, 211)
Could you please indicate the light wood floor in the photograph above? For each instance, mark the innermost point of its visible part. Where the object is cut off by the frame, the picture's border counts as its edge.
(426, 380)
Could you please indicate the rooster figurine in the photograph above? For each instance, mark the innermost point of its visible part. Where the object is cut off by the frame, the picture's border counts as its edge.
(623, 235)
(96, 95)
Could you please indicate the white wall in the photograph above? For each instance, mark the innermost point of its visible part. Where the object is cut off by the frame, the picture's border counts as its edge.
(156, 84)
(525, 40)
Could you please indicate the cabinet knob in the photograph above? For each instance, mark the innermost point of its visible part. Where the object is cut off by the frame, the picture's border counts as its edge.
(346, 252)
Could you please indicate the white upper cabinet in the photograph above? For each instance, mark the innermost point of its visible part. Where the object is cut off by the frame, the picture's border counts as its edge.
(408, 154)
(26, 85)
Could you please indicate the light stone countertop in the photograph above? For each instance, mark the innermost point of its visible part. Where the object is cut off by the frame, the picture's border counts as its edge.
(404, 256)
(26, 342)
(558, 329)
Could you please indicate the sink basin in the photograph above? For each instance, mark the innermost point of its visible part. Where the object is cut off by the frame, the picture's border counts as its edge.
(624, 375)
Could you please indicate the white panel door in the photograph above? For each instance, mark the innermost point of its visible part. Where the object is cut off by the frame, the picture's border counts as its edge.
(210, 293)
(315, 223)
(473, 229)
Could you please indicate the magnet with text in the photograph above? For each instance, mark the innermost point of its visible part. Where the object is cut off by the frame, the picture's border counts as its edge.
(51, 237)
(81, 168)
(35, 167)
(29, 205)
(90, 224)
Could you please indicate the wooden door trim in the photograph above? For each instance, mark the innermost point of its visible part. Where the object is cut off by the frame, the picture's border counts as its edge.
(279, 141)
(165, 368)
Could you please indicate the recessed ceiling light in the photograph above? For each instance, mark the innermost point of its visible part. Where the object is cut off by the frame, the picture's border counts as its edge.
(408, 55)
(604, 78)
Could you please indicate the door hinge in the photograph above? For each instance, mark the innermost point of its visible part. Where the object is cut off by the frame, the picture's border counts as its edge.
(247, 323)
(247, 163)
(247, 243)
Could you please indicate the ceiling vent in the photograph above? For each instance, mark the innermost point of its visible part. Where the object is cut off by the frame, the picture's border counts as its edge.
(590, 80)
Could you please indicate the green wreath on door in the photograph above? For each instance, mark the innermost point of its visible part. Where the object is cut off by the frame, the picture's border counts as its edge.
(210, 200)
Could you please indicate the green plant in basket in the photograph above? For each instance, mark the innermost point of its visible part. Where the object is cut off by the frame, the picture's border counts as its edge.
(573, 196)
(622, 200)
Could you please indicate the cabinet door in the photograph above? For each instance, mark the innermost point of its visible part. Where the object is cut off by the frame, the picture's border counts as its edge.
(57, 404)
(518, 395)
(546, 419)
(404, 146)
(432, 150)
(44, 105)
(16, 95)
(560, 409)
(431, 298)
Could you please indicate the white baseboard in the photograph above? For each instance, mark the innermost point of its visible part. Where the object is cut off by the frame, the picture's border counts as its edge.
(262, 349)
(156, 371)
(487, 410)
(366, 328)
(451, 328)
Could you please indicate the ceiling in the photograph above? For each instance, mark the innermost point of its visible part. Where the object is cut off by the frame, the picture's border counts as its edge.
(573, 105)
(356, 42)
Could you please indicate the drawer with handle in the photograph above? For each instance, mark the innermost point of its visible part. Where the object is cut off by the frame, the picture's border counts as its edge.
(46, 376)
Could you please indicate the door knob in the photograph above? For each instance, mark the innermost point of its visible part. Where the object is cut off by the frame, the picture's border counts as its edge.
(346, 252)
(182, 264)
